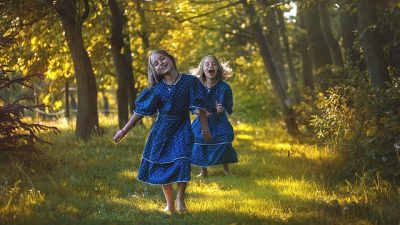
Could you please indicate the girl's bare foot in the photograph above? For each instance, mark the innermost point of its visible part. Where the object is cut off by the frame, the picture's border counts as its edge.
(203, 172)
(169, 209)
(227, 172)
(180, 205)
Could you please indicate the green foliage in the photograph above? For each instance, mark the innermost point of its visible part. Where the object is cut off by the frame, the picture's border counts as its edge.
(362, 123)
(15, 133)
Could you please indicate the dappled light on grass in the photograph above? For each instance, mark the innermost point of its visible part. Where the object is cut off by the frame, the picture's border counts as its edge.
(277, 181)
(295, 188)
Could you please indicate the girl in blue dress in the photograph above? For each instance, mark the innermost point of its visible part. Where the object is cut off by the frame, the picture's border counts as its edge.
(218, 104)
(166, 156)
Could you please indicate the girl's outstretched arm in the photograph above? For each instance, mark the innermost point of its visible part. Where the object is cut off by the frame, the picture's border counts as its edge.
(132, 122)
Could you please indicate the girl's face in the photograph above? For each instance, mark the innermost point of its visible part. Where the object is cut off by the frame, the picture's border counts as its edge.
(210, 68)
(161, 63)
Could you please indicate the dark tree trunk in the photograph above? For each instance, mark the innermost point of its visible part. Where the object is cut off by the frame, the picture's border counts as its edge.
(371, 43)
(120, 63)
(269, 64)
(106, 107)
(348, 25)
(132, 91)
(87, 119)
(289, 58)
(320, 53)
(73, 101)
(144, 33)
(272, 35)
(67, 98)
(306, 61)
(333, 45)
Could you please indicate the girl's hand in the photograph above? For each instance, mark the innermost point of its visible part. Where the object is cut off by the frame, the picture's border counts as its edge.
(119, 135)
(219, 108)
(208, 113)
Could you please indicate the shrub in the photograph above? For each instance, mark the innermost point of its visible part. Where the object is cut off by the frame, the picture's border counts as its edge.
(362, 123)
(15, 133)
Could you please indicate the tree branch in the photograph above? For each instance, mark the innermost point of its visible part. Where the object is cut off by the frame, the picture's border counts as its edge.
(207, 13)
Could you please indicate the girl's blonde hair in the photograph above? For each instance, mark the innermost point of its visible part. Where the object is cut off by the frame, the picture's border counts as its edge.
(153, 77)
(224, 70)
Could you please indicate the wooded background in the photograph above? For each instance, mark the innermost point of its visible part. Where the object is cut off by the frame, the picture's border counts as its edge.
(329, 70)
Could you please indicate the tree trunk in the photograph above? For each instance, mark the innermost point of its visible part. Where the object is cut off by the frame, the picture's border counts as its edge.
(144, 33)
(306, 61)
(333, 45)
(289, 58)
(272, 35)
(120, 63)
(320, 54)
(348, 25)
(87, 119)
(106, 107)
(373, 52)
(269, 64)
(66, 94)
(132, 91)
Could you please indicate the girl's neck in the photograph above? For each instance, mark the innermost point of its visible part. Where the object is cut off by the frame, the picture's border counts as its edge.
(211, 82)
(171, 77)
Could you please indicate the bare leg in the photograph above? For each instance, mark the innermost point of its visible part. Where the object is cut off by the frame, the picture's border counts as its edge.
(203, 172)
(226, 169)
(168, 193)
(180, 197)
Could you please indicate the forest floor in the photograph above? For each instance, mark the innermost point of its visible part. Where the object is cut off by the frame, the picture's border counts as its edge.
(277, 181)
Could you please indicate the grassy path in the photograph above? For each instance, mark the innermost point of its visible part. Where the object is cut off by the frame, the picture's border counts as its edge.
(276, 182)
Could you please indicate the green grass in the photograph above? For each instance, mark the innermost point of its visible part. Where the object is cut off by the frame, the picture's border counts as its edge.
(277, 181)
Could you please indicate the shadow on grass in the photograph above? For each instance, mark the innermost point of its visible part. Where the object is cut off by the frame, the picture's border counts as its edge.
(95, 183)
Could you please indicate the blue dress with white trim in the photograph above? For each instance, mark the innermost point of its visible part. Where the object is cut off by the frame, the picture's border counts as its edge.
(166, 155)
(219, 150)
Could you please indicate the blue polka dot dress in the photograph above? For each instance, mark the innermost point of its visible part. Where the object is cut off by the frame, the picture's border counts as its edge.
(220, 150)
(166, 155)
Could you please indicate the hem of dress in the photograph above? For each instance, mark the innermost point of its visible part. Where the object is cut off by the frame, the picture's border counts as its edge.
(162, 183)
(221, 143)
(192, 164)
(166, 162)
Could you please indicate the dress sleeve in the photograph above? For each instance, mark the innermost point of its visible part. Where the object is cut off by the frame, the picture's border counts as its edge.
(197, 95)
(147, 103)
(227, 102)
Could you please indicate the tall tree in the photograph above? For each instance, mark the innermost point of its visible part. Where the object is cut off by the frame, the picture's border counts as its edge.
(122, 66)
(320, 52)
(348, 26)
(333, 45)
(371, 43)
(305, 52)
(270, 20)
(269, 64)
(72, 14)
(289, 58)
(144, 34)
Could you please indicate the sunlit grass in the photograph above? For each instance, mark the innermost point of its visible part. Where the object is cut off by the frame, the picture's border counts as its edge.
(277, 181)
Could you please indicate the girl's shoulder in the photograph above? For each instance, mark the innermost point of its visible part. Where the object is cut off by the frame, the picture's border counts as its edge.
(152, 90)
(225, 85)
(188, 76)
(191, 79)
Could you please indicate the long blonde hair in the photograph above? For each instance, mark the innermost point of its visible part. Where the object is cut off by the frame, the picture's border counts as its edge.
(152, 77)
(224, 70)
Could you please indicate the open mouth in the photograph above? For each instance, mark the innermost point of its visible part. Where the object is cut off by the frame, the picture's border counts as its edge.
(211, 71)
